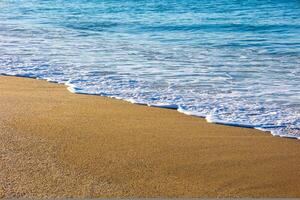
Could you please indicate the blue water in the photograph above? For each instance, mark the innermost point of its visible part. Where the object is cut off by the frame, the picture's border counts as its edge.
(233, 62)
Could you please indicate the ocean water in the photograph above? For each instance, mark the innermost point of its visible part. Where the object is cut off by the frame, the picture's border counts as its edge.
(232, 62)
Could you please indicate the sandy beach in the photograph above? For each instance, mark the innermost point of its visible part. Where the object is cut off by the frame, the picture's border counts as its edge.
(58, 144)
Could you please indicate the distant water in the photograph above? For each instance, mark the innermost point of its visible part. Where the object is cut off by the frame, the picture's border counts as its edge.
(233, 62)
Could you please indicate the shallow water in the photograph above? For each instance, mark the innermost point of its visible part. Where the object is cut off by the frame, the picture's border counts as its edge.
(233, 62)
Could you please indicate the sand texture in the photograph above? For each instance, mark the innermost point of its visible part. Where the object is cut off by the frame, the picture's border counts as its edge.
(57, 144)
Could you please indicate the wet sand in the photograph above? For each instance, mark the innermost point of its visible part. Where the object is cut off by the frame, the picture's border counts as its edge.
(57, 144)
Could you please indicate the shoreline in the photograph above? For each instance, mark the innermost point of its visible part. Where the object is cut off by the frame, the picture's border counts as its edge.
(60, 144)
(71, 90)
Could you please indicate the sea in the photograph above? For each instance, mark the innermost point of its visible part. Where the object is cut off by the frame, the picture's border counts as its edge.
(232, 62)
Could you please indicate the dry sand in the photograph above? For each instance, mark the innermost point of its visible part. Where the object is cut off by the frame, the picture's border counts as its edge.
(57, 144)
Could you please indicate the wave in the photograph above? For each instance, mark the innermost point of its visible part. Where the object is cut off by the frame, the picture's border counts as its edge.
(232, 63)
(273, 129)
(233, 27)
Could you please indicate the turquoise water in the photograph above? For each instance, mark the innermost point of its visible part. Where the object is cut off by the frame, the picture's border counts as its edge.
(233, 62)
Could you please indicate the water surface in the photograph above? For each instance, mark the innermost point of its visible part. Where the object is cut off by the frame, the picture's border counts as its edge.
(233, 62)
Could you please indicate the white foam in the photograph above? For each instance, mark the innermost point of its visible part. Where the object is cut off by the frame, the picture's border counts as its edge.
(209, 118)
